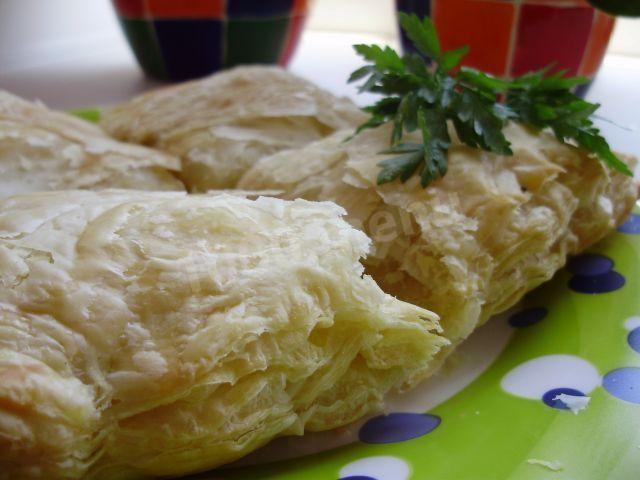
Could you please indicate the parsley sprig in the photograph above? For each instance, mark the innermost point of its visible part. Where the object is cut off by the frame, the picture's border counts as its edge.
(420, 97)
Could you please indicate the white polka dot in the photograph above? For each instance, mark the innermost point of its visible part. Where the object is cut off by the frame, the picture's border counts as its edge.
(380, 468)
(632, 323)
(534, 378)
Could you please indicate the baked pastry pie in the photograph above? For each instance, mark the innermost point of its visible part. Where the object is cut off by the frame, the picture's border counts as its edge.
(221, 125)
(159, 334)
(473, 243)
(41, 149)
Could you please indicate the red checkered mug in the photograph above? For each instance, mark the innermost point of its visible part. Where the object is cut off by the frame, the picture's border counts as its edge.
(509, 38)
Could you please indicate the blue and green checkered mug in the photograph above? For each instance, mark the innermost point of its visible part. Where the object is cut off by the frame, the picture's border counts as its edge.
(177, 40)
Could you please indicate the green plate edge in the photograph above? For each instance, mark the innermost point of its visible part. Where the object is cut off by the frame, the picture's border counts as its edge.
(92, 115)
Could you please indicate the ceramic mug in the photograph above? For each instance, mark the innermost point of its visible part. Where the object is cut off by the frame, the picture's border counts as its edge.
(512, 37)
(179, 40)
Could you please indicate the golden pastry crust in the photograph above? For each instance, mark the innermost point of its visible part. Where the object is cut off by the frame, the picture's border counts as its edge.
(41, 149)
(159, 334)
(221, 125)
(473, 243)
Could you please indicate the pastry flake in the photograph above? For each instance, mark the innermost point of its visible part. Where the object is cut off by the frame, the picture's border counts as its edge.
(473, 243)
(41, 149)
(221, 125)
(160, 334)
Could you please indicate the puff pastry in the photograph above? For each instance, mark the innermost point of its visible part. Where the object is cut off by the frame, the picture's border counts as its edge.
(473, 243)
(158, 334)
(45, 150)
(221, 125)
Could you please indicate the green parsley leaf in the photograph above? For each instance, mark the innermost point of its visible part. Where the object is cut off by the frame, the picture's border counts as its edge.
(373, 122)
(590, 139)
(452, 58)
(384, 59)
(558, 81)
(482, 125)
(409, 110)
(361, 73)
(422, 34)
(428, 97)
(435, 135)
(473, 77)
(387, 106)
(403, 166)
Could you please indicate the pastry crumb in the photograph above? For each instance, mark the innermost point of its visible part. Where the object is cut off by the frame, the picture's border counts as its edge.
(553, 465)
(575, 403)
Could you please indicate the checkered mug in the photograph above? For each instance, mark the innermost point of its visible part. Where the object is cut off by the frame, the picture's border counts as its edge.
(512, 37)
(180, 40)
